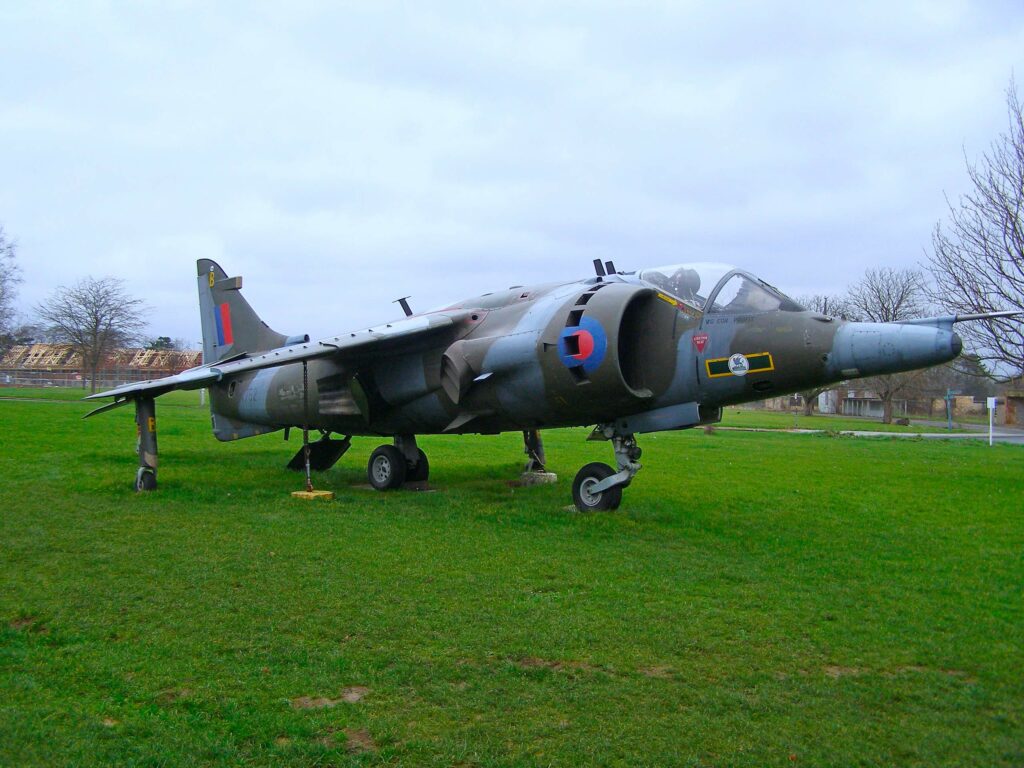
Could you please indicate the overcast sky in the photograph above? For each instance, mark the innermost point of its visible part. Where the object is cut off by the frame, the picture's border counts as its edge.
(339, 156)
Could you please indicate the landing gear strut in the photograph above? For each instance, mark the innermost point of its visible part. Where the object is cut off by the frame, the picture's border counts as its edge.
(145, 420)
(534, 449)
(392, 465)
(597, 486)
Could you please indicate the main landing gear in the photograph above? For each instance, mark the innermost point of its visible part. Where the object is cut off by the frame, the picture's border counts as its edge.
(392, 465)
(597, 486)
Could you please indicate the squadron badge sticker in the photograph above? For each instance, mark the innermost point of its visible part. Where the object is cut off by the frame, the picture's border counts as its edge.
(739, 365)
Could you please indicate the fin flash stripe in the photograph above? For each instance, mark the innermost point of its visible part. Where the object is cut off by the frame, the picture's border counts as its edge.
(759, 362)
(224, 333)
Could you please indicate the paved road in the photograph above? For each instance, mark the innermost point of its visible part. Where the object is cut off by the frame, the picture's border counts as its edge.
(1000, 435)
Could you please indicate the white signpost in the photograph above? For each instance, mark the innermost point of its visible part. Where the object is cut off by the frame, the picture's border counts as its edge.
(991, 413)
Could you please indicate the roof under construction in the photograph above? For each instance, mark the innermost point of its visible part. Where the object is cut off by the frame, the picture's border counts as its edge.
(61, 357)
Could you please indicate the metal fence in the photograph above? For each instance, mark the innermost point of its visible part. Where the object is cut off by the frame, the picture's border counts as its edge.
(108, 379)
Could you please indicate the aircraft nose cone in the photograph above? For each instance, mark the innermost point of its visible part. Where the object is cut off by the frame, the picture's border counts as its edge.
(869, 349)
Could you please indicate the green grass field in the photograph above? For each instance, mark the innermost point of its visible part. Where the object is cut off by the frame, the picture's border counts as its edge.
(756, 419)
(758, 600)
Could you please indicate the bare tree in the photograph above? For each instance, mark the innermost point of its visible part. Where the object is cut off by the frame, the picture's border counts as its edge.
(977, 261)
(888, 296)
(825, 304)
(95, 317)
(10, 277)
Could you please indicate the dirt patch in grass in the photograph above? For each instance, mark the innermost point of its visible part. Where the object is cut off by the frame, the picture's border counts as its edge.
(29, 624)
(957, 674)
(660, 672)
(533, 662)
(358, 741)
(314, 702)
(348, 696)
(835, 671)
(172, 695)
(354, 694)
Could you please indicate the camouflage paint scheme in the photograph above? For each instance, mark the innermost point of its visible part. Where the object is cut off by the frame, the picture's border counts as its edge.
(501, 364)
(614, 350)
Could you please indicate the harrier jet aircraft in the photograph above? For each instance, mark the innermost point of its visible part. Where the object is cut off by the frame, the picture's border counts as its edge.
(628, 352)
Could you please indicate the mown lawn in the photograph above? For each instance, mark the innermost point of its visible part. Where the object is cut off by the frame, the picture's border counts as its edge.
(759, 419)
(758, 600)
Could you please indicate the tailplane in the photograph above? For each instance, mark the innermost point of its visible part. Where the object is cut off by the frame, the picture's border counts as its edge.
(230, 326)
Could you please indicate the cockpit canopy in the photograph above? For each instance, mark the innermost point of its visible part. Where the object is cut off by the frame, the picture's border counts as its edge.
(718, 288)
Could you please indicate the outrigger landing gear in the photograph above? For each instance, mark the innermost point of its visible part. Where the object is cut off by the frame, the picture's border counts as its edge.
(392, 465)
(535, 472)
(597, 486)
(145, 420)
(534, 449)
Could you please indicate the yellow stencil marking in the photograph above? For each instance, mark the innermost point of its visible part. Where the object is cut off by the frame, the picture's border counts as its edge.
(760, 362)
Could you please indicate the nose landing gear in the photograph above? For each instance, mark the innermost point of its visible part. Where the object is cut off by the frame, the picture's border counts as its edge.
(597, 486)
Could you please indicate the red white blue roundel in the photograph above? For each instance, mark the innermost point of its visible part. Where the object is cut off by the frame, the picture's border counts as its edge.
(583, 345)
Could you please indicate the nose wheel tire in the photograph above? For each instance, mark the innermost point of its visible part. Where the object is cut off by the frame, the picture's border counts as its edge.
(587, 478)
(386, 468)
(420, 471)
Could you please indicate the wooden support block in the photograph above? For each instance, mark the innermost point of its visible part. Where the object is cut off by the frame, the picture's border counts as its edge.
(325, 495)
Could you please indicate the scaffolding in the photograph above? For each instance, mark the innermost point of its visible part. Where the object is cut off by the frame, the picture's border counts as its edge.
(59, 365)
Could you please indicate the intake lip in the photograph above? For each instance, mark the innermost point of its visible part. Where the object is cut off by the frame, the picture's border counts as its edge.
(958, 345)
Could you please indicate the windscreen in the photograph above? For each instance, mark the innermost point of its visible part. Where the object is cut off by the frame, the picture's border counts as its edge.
(743, 294)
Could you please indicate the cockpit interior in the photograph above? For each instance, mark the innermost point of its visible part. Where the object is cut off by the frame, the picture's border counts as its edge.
(718, 288)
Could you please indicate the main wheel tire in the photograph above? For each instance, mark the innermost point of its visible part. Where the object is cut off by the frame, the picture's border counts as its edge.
(586, 478)
(420, 471)
(386, 468)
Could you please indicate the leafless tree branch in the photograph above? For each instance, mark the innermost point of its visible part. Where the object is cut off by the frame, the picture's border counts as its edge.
(10, 278)
(95, 317)
(977, 257)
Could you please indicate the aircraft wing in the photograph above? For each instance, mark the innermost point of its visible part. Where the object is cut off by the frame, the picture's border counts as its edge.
(380, 339)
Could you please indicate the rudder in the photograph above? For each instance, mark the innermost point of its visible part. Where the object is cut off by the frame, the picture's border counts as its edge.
(230, 326)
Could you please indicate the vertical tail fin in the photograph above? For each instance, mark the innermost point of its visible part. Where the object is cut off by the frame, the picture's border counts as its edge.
(230, 326)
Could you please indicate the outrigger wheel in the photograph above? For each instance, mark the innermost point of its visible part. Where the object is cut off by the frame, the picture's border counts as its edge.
(145, 479)
(387, 468)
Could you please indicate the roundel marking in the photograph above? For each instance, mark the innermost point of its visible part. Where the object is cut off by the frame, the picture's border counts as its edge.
(583, 345)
